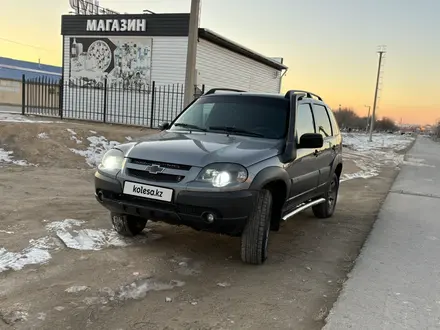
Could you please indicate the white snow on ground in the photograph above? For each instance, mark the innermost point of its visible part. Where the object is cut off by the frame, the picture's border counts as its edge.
(73, 136)
(84, 239)
(36, 253)
(77, 288)
(6, 158)
(360, 141)
(67, 235)
(18, 118)
(371, 156)
(94, 152)
(43, 135)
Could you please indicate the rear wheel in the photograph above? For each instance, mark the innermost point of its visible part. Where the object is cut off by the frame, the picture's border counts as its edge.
(326, 209)
(127, 225)
(255, 235)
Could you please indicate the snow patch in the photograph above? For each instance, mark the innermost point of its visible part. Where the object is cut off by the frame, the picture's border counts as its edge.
(73, 136)
(140, 288)
(36, 253)
(64, 224)
(43, 135)
(370, 157)
(360, 141)
(17, 118)
(18, 260)
(94, 152)
(6, 157)
(13, 316)
(77, 288)
(6, 232)
(91, 239)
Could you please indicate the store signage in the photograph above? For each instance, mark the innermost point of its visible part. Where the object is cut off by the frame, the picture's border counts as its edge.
(90, 7)
(117, 25)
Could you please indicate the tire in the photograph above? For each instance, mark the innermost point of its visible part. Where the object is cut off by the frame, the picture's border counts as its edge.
(326, 209)
(127, 225)
(255, 235)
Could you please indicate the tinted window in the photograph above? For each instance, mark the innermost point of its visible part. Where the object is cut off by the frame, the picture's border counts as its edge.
(261, 116)
(335, 126)
(304, 120)
(322, 121)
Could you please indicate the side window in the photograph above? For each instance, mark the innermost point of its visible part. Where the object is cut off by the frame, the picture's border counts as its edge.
(333, 121)
(322, 121)
(304, 120)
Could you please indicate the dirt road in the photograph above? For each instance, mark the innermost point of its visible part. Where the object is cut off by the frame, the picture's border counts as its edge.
(77, 274)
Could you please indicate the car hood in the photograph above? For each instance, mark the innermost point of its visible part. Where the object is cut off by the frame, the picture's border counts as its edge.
(200, 148)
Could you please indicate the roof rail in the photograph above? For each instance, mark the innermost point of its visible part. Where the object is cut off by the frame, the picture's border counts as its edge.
(308, 94)
(213, 90)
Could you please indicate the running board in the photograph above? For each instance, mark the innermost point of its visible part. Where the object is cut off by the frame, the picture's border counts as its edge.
(303, 207)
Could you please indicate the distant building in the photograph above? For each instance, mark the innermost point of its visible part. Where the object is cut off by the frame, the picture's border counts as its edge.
(14, 69)
(11, 73)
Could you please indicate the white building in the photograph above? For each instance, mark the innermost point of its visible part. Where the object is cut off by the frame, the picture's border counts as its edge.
(131, 68)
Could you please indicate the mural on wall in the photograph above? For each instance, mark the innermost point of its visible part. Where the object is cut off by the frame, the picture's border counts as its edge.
(124, 61)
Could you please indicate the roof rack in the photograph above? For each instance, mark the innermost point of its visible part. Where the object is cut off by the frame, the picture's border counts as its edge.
(308, 94)
(213, 90)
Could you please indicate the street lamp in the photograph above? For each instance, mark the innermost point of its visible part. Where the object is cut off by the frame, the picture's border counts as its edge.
(368, 117)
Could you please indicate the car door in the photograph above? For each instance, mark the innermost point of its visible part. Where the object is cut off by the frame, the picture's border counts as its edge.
(303, 171)
(326, 154)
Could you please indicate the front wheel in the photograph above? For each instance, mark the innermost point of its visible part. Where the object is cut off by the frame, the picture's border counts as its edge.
(326, 209)
(127, 225)
(255, 235)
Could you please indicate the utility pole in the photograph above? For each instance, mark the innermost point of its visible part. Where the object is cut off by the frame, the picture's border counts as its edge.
(381, 51)
(193, 34)
(368, 117)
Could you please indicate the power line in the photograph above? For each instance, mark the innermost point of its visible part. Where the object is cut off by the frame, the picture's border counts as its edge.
(24, 44)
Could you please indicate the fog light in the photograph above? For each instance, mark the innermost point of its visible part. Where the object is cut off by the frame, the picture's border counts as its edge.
(208, 217)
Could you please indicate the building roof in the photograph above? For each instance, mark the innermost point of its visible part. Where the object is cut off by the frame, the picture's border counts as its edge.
(15, 69)
(237, 48)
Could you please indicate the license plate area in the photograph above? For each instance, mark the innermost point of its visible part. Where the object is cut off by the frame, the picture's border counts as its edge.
(148, 191)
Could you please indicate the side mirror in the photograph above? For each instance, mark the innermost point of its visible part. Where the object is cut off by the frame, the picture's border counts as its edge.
(164, 126)
(311, 141)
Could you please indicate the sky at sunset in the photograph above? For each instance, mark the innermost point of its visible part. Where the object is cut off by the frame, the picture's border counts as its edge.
(329, 45)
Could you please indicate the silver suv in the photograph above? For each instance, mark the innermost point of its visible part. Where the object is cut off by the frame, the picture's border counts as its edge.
(231, 162)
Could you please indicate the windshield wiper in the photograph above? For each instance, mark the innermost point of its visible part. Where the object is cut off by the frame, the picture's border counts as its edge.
(190, 126)
(231, 129)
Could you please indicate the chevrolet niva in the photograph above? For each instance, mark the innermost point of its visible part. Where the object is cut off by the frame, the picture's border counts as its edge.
(231, 162)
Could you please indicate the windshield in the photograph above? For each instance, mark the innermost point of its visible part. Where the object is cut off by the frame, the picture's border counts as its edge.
(256, 116)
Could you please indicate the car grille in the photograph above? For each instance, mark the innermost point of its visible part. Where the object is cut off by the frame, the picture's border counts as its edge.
(160, 177)
(171, 166)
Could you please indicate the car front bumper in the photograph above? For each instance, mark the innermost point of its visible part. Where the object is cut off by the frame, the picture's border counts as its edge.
(230, 210)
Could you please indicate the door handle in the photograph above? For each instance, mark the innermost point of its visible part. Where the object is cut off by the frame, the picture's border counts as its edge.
(316, 153)
(334, 147)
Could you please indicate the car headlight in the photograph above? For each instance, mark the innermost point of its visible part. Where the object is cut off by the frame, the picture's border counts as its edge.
(112, 160)
(223, 174)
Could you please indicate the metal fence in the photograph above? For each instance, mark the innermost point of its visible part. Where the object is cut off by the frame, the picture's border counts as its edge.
(106, 101)
(41, 96)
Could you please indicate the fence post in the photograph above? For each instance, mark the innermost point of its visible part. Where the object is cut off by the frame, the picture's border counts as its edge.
(105, 101)
(153, 101)
(23, 95)
(60, 97)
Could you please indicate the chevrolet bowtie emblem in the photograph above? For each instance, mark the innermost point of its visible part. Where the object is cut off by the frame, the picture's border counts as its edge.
(154, 169)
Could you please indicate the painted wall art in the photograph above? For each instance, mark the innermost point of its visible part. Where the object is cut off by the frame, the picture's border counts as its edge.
(125, 62)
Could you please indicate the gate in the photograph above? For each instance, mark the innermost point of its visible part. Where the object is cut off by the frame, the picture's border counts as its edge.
(41, 96)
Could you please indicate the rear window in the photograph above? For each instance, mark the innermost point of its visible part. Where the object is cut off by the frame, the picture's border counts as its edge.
(266, 117)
